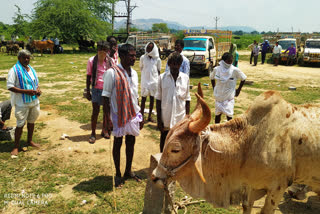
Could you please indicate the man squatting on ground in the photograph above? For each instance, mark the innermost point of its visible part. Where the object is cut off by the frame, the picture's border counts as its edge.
(96, 67)
(173, 97)
(150, 66)
(224, 80)
(23, 84)
(185, 66)
(291, 55)
(120, 92)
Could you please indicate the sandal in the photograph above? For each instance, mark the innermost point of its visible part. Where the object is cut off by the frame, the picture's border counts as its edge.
(105, 135)
(92, 139)
(132, 176)
(118, 182)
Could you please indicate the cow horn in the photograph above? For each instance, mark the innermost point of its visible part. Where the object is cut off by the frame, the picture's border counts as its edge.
(197, 111)
(199, 124)
(200, 90)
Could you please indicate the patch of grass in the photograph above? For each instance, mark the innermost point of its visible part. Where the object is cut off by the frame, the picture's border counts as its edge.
(302, 95)
(245, 40)
(203, 207)
(154, 133)
(99, 151)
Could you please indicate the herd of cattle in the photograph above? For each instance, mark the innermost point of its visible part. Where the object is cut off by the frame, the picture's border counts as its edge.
(12, 47)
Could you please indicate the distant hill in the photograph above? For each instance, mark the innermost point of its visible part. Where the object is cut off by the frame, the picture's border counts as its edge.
(232, 28)
(146, 24)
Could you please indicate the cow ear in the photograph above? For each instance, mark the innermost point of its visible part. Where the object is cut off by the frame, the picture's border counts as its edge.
(198, 166)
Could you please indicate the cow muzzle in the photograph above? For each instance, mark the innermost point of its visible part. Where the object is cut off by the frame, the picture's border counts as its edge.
(159, 177)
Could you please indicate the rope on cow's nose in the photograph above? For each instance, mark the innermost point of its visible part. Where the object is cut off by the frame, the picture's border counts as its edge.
(112, 172)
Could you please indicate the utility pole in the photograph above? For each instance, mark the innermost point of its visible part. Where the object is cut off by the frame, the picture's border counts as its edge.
(216, 19)
(112, 19)
(127, 14)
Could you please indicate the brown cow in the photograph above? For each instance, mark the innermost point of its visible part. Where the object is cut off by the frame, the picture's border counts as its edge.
(43, 45)
(12, 48)
(273, 144)
(20, 43)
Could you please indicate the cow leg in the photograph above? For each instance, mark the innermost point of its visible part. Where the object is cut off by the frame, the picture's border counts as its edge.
(273, 198)
(253, 195)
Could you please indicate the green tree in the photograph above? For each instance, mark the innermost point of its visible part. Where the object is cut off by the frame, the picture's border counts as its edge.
(179, 34)
(21, 25)
(238, 32)
(101, 8)
(68, 20)
(254, 32)
(161, 27)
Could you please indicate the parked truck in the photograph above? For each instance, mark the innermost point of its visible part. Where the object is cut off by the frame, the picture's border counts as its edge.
(311, 51)
(285, 39)
(204, 48)
(140, 39)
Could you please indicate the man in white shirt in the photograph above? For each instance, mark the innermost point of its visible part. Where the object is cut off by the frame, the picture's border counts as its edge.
(185, 66)
(224, 80)
(150, 66)
(23, 85)
(173, 97)
(120, 92)
(276, 53)
(255, 52)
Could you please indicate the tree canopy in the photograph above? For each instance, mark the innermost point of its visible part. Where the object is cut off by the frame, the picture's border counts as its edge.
(21, 25)
(68, 20)
(101, 8)
(160, 27)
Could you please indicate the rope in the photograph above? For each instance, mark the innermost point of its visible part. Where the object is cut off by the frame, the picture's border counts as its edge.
(182, 204)
(112, 172)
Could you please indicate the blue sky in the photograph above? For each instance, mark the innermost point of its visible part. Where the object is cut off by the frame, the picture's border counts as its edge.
(260, 14)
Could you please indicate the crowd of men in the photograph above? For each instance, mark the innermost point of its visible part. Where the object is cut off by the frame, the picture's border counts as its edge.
(276, 52)
(114, 84)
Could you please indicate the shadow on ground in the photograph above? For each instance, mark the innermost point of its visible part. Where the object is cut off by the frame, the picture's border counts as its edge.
(103, 183)
(7, 146)
(291, 206)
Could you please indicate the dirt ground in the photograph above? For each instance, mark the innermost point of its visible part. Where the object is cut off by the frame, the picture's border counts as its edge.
(76, 146)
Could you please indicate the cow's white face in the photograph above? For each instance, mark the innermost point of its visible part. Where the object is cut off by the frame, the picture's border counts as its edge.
(180, 146)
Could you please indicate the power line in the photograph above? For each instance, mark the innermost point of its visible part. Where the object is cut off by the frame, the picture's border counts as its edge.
(127, 14)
